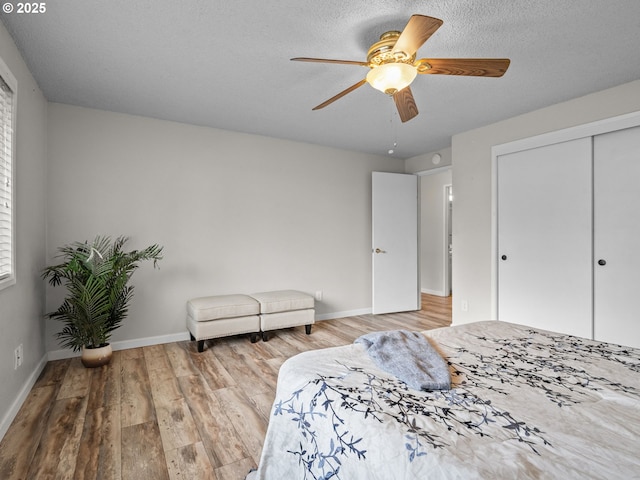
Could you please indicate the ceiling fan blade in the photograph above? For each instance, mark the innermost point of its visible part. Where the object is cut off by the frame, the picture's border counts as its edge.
(418, 30)
(477, 67)
(341, 94)
(405, 104)
(326, 60)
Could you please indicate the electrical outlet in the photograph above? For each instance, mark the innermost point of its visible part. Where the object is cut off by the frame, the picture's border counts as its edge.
(319, 295)
(18, 354)
(465, 305)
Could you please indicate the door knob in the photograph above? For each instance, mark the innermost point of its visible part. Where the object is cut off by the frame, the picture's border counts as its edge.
(602, 262)
(377, 250)
(503, 257)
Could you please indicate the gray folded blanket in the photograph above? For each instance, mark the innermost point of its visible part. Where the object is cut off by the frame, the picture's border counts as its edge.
(408, 356)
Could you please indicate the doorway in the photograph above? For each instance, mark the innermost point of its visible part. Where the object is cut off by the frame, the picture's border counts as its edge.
(448, 232)
(435, 245)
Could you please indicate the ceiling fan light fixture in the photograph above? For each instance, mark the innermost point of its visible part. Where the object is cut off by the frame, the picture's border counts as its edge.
(393, 66)
(390, 78)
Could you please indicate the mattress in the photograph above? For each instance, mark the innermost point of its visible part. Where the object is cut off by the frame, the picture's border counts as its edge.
(524, 403)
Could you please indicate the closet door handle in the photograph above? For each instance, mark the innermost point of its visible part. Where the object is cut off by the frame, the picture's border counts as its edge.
(602, 262)
(503, 257)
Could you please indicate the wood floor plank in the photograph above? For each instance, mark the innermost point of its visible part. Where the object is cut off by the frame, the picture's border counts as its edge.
(58, 447)
(177, 428)
(274, 366)
(105, 384)
(180, 359)
(216, 430)
(136, 397)
(242, 368)
(20, 443)
(167, 411)
(157, 361)
(164, 384)
(212, 370)
(53, 373)
(131, 353)
(281, 345)
(270, 350)
(263, 403)
(301, 341)
(142, 453)
(321, 333)
(237, 470)
(269, 371)
(164, 390)
(250, 426)
(68, 458)
(318, 338)
(342, 335)
(154, 353)
(190, 462)
(76, 382)
(259, 350)
(99, 455)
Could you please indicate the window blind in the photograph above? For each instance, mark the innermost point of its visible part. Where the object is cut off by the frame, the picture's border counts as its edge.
(6, 197)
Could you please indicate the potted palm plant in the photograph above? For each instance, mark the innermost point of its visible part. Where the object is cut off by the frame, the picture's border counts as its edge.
(96, 276)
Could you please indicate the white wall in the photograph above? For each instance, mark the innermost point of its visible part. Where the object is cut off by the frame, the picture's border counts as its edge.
(424, 162)
(472, 186)
(22, 304)
(236, 213)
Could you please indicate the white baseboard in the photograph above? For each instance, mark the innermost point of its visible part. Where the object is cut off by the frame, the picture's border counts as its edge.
(437, 293)
(138, 342)
(22, 396)
(178, 337)
(347, 313)
(147, 341)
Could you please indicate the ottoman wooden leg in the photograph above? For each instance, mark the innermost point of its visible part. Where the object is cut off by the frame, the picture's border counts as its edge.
(307, 329)
(200, 346)
(254, 337)
(264, 337)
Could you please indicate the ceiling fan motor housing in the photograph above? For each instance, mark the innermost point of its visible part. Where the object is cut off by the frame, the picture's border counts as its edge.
(381, 52)
(390, 71)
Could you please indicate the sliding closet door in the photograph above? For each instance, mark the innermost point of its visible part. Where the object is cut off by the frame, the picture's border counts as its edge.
(617, 236)
(544, 237)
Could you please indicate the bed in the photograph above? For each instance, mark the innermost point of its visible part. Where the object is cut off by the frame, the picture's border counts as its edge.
(524, 403)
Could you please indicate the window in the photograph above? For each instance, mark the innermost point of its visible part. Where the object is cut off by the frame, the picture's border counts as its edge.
(7, 149)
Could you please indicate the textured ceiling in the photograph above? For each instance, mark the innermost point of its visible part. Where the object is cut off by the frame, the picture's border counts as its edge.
(225, 64)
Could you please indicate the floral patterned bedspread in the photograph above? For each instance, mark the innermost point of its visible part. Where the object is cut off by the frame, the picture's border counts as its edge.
(524, 403)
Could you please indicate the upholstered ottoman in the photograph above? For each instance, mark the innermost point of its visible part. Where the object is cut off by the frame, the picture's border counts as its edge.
(221, 316)
(284, 309)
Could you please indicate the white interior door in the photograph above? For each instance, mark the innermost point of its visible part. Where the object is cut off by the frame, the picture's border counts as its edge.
(395, 242)
(544, 237)
(617, 229)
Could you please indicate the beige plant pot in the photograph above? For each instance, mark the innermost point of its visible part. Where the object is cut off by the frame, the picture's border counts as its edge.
(96, 357)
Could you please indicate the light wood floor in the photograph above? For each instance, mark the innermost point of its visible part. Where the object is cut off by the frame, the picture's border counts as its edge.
(168, 412)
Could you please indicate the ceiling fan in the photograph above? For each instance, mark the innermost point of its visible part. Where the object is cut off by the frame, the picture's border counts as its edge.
(393, 65)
